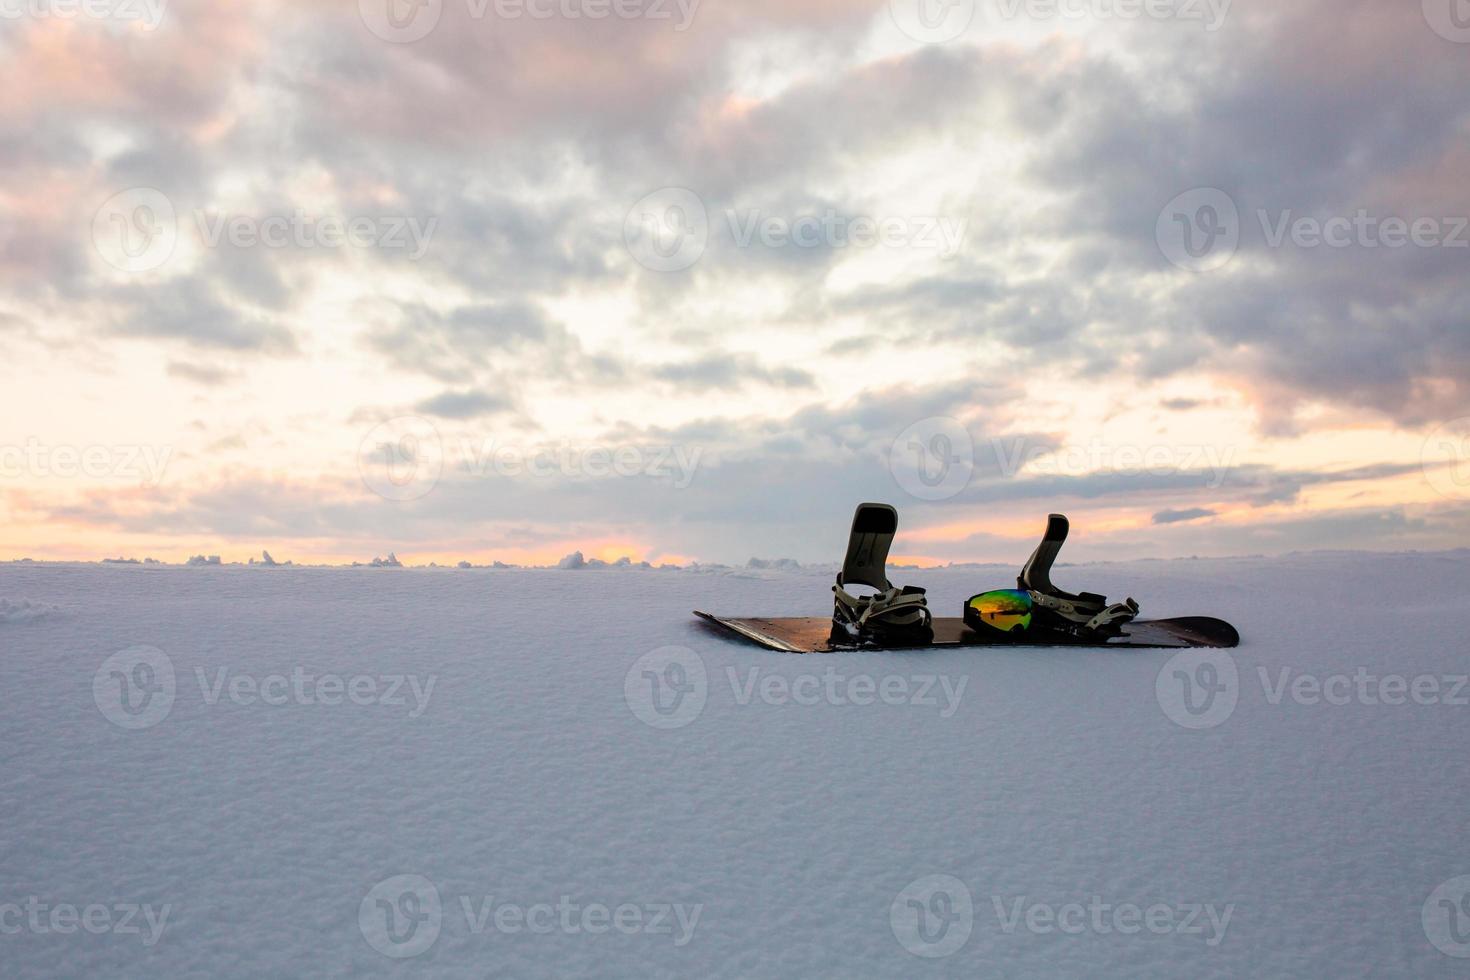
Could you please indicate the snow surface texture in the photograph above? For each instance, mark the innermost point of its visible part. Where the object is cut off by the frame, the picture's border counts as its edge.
(24, 611)
(1064, 813)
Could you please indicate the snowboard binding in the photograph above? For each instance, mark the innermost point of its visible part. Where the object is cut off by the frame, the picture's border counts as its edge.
(890, 615)
(1036, 610)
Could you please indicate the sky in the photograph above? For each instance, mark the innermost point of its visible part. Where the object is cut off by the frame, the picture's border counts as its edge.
(686, 280)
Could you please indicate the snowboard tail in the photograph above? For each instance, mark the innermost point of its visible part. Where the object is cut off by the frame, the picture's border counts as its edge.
(813, 634)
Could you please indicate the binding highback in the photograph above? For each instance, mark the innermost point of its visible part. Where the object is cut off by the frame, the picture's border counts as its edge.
(1036, 573)
(890, 612)
(873, 528)
(1087, 609)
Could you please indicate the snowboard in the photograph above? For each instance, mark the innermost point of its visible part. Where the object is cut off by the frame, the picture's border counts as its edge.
(813, 634)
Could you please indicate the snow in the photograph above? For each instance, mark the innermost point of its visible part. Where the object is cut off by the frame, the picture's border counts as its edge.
(446, 739)
(24, 610)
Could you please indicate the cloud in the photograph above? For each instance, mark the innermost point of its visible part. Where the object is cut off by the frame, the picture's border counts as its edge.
(528, 141)
(189, 309)
(464, 405)
(201, 374)
(730, 371)
(1322, 135)
(1179, 516)
(459, 344)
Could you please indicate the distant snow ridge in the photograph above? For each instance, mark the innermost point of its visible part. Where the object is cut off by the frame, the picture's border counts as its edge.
(199, 560)
(25, 611)
(575, 560)
(390, 562)
(266, 561)
(785, 564)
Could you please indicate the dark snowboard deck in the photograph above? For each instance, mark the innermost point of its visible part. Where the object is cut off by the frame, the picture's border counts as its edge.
(812, 634)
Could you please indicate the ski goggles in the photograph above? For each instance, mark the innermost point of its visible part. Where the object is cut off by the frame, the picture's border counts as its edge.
(1006, 610)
